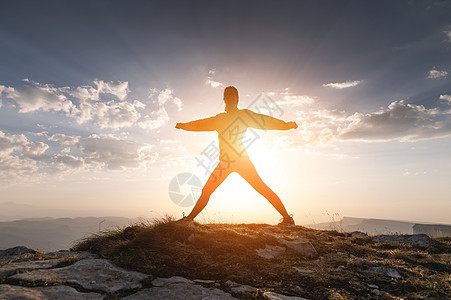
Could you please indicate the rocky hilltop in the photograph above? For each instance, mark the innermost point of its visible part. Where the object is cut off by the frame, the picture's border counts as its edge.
(167, 260)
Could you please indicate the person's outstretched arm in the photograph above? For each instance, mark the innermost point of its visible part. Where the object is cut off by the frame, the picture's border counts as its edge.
(207, 124)
(260, 121)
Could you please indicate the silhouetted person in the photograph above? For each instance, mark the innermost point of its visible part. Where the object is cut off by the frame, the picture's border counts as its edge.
(231, 127)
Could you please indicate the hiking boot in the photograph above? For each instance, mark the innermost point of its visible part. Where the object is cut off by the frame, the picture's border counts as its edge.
(287, 221)
(185, 221)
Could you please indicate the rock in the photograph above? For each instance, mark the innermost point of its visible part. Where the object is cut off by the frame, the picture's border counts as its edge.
(244, 289)
(421, 240)
(238, 288)
(361, 262)
(270, 251)
(358, 233)
(180, 291)
(303, 271)
(202, 281)
(12, 292)
(93, 274)
(302, 246)
(11, 253)
(383, 270)
(275, 296)
(324, 237)
(376, 291)
(171, 280)
(19, 267)
(339, 268)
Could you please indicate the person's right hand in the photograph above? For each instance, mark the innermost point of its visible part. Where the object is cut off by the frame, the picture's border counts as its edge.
(292, 125)
(178, 125)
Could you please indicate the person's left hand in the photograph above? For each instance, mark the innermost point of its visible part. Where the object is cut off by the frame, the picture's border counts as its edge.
(292, 125)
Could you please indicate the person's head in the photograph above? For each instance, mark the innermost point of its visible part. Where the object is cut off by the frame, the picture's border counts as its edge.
(231, 98)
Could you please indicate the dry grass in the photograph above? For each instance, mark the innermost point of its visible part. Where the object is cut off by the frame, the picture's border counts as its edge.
(224, 252)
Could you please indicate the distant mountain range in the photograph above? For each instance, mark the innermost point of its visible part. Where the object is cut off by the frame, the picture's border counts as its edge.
(10, 211)
(51, 234)
(369, 226)
(37, 228)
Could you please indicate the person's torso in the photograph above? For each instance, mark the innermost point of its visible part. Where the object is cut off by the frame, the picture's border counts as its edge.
(232, 127)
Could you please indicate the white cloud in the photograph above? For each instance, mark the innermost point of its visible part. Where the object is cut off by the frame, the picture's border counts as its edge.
(433, 74)
(400, 121)
(446, 98)
(211, 82)
(87, 92)
(13, 165)
(45, 98)
(115, 154)
(342, 85)
(120, 90)
(159, 116)
(67, 162)
(34, 150)
(64, 140)
(87, 105)
(166, 96)
(155, 120)
(111, 114)
(294, 100)
(448, 35)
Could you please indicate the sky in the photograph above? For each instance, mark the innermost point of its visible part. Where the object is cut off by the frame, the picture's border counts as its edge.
(90, 92)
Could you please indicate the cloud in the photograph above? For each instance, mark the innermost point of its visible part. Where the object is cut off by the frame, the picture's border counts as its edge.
(25, 160)
(342, 85)
(448, 35)
(120, 90)
(65, 140)
(45, 98)
(446, 98)
(88, 104)
(211, 82)
(68, 162)
(15, 165)
(115, 154)
(88, 92)
(111, 114)
(155, 120)
(433, 74)
(35, 150)
(401, 121)
(166, 96)
(159, 116)
(290, 99)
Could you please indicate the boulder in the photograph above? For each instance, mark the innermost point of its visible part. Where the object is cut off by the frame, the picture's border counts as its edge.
(19, 267)
(301, 246)
(421, 240)
(178, 288)
(383, 270)
(275, 296)
(358, 234)
(14, 252)
(270, 251)
(91, 274)
(12, 292)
